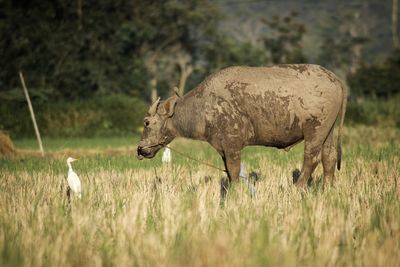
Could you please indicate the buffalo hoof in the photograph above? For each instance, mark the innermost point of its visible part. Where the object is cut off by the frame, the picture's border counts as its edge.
(296, 175)
(223, 190)
(254, 176)
(207, 179)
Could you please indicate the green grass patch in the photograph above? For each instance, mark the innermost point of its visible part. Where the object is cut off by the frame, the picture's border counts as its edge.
(129, 217)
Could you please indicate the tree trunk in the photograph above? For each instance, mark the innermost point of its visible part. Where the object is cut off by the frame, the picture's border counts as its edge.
(79, 13)
(153, 89)
(356, 52)
(395, 36)
(186, 70)
(151, 66)
(356, 49)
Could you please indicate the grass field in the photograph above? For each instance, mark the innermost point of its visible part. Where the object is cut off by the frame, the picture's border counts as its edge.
(129, 217)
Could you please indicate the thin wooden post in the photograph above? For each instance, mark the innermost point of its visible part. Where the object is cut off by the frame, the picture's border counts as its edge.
(39, 139)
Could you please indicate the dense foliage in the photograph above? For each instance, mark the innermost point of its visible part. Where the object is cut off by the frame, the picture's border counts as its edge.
(102, 116)
(69, 53)
(378, 80)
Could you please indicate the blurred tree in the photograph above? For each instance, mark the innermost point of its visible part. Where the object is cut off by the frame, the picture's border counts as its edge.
(59, 49)
(81, 48)
(250, 30)
(223, 51)
(283, 40)
(257, 46)
(184, 62)
(377, 80)
(169, 24)
(343, 41)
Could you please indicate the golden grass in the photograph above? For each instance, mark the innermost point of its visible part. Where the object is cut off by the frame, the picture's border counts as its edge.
(130, 218)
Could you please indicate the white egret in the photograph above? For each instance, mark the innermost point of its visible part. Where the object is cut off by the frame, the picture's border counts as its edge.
(166, 157)
(242, 172)
(74, 182)
(246, 180)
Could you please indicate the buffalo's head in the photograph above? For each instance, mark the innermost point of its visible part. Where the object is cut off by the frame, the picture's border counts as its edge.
(157, 133)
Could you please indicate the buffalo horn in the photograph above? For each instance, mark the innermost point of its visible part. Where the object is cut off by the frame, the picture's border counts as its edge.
(153, 108)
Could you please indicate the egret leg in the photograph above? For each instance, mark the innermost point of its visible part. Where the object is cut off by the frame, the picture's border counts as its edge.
(68, 192)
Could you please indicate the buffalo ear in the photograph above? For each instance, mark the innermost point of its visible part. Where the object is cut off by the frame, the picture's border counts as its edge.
(168, 107)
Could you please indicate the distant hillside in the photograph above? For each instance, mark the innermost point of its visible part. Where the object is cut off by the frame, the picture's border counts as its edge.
(321, 18)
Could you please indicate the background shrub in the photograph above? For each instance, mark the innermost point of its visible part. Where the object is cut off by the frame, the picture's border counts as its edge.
(100, 116)
(377, 80)
(373, 111)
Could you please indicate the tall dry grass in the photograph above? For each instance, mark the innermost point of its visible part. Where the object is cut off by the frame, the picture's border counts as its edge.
(128, 217)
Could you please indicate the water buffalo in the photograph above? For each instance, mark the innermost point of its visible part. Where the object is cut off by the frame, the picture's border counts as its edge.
(235, 107)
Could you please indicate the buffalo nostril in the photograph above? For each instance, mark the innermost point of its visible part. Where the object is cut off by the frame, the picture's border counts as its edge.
(140, 153)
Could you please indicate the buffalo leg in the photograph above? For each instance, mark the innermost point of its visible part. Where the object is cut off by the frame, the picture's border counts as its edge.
(232, 166)
(314, 138)
(312, 155)
(311, 159)
(329, 158)
(316, 133)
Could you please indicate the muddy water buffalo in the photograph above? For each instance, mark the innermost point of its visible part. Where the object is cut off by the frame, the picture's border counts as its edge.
(242, 106)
